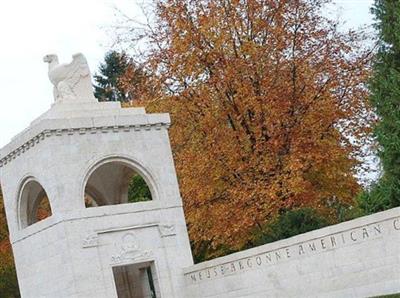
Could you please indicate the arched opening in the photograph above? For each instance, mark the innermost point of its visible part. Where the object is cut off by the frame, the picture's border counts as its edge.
(115, 182)
(34, 203)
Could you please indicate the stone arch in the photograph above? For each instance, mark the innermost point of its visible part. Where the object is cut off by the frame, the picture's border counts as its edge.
(109, 182)
(33, 203)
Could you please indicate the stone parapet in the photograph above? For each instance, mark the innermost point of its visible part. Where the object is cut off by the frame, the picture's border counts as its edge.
(358, 258)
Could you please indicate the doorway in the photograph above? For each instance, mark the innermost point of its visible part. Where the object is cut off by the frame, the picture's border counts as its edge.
(136, 281)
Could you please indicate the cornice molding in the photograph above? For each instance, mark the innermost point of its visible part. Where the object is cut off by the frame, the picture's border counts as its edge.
(48, 133)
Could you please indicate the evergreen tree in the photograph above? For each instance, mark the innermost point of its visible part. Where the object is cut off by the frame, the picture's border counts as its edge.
(385, 97)
(107, 82)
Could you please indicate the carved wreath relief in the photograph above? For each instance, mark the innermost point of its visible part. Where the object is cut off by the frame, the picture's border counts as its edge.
(128, 249)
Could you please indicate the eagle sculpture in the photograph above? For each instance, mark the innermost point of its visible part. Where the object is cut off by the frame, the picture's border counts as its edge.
(71, 81)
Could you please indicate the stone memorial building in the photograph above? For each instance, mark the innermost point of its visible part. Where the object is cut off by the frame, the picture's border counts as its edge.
(79, 158)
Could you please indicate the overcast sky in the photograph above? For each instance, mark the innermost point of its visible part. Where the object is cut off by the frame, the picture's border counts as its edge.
(31, 29)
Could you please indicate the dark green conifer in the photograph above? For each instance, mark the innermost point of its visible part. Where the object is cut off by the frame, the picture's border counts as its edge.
(107, 86)
(385, 98)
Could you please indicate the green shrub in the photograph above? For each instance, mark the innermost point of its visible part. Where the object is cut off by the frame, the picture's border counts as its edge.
(289, 224)
(138, 190)
(383, 196)
(388, 296)
(206, 252)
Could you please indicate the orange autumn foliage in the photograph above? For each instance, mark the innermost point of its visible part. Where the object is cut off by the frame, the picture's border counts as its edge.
(8, 278)
(6, 257)
(5, 246)
(268, 104)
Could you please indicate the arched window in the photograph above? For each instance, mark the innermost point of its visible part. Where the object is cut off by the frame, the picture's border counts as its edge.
(34, 204)
(115, 182)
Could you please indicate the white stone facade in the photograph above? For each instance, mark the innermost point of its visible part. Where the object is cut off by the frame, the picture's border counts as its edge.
(73, 253)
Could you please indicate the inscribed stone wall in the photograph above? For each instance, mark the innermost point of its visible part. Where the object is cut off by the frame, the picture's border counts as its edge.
(359, 258)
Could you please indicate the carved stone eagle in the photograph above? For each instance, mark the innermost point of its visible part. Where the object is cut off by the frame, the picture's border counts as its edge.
(71, 81)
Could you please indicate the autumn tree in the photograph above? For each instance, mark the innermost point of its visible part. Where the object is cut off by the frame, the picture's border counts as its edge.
(385, 96)
(268, 106)
(8, 278)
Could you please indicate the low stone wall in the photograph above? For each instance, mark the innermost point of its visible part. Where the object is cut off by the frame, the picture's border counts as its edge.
(358, 258)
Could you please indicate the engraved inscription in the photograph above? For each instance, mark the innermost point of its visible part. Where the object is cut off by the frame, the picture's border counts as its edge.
(306, 248)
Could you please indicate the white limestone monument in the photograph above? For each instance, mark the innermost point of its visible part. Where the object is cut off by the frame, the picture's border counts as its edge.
(82, 150)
